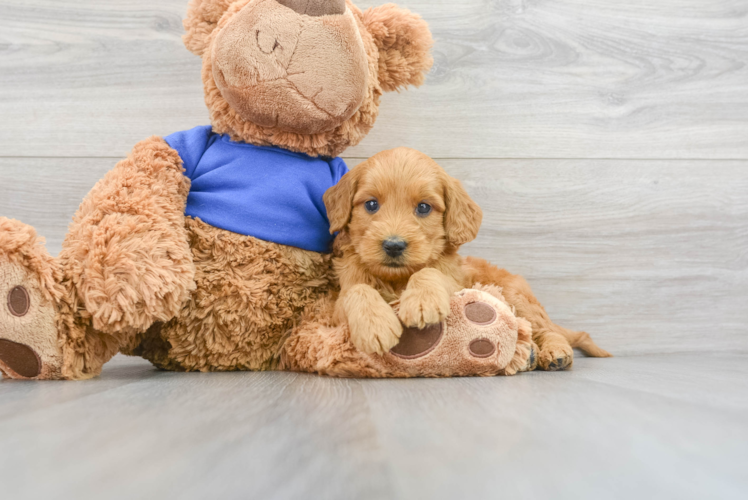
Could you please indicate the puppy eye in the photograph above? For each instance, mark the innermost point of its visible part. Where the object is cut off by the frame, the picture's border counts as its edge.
(423, 209)
(372, 206)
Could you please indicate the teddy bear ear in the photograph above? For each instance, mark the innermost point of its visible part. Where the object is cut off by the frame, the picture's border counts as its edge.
(404, 41)
(202, 18)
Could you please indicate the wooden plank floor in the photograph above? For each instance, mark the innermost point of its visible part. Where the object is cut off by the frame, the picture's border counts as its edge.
(661, 426)
(608, 145)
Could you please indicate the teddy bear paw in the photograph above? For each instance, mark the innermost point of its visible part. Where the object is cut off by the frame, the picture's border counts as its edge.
(478, 337)
(28, 331)
(29, 346)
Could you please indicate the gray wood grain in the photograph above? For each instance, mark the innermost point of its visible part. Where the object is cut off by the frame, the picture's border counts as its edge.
(46, 192)
(669, 426)
(647, 256)
(512, 79)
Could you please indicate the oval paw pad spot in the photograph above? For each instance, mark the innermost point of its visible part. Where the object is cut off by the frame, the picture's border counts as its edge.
(20, 358)
(482, 348)
(416, 343)
(480, 313)
(18, 301)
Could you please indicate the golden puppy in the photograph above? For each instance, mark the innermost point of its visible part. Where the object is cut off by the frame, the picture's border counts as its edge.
(401, 220)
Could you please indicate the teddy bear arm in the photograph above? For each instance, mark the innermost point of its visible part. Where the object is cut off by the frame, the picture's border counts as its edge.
(127, 258)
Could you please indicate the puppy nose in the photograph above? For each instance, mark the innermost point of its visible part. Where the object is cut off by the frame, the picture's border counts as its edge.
(394, 247)
(315, 8)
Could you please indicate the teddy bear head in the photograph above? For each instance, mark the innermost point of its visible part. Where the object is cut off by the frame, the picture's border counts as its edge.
(305, 75)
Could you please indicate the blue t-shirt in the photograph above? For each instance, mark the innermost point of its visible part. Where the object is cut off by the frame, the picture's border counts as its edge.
(266, 192)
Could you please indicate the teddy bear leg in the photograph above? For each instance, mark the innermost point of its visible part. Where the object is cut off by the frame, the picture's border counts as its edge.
(40, 336)
(127, 256)
(125, 264)
(29, 294)
(480, 336)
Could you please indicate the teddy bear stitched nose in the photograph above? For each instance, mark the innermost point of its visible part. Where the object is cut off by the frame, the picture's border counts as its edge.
(315, 8)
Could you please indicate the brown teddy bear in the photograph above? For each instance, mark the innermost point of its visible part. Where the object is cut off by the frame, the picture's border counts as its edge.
(201, 250)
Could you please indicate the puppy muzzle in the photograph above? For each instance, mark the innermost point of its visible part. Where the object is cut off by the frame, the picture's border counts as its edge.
(394, 247)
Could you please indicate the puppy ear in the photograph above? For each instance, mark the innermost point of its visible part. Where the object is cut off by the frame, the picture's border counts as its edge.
(463, 216)
(404, 42)
(202, 18)
(339, 200)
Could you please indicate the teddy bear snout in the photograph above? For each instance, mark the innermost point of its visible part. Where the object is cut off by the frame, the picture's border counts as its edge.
(265, 64)
(315, 8)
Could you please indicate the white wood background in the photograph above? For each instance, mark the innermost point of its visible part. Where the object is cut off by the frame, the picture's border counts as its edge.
(606, 141)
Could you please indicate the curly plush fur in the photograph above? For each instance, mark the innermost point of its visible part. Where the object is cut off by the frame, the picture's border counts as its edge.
(249, 294)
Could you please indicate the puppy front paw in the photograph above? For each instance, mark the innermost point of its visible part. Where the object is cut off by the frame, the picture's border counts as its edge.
(421, 307)
(375, 331)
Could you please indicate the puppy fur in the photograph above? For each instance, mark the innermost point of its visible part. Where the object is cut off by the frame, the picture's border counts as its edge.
(401, 220)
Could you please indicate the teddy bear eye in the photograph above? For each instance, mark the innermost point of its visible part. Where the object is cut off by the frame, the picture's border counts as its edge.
(372, 206)
(423, 209)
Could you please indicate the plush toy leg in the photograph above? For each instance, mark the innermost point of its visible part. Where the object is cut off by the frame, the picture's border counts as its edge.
(41, 336)
(554, 342)
(125, 264)
(480, 337)
(29, 295)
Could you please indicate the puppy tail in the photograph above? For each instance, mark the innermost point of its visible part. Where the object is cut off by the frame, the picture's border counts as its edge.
(583, 342)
